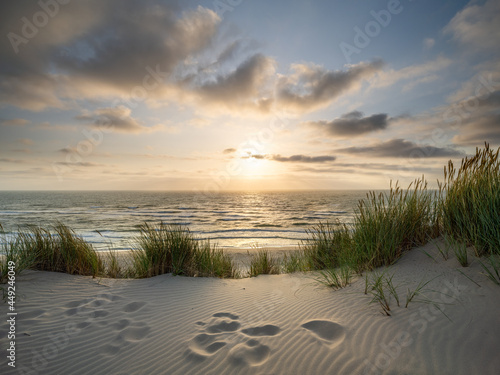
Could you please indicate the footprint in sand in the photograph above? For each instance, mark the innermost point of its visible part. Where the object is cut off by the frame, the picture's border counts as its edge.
(93, 310)
(205, 345)
(134, 306)
(327, 331)
(127, 333)
(91, 307)
(251, 353)
(267, 330)
(222, 333)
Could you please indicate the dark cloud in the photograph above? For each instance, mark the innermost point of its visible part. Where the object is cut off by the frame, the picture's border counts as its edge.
(255, 156)
(105, 47)
(116, 119)
(311, 87)
(477, 131)
(293, 158)
(31, 92)
(151, 50)
(136, 37)
(402, 148)
(229, 151)
(487, 101)
(352, 124)
(243, 86)
(67, 150)
(303, 158)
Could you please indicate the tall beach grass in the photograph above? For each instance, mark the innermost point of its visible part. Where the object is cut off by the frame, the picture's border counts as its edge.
(57, 248)
(385, 225)
(173, 249)
(465, 209)
(471, 207)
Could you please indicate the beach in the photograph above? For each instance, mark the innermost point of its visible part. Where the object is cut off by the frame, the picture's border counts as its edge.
(236, 187)
(270, 324)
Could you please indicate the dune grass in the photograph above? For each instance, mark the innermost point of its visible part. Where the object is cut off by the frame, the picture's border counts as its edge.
(385, 225)
(381, 288)
(465, 210)
(327, 245)
(336, 278)
(163, 249)
(263, 263)
(210, 261)
(491, 268)
(294, 262)
(56, 249)
(444, 249)
(471, 207)
(173, 249)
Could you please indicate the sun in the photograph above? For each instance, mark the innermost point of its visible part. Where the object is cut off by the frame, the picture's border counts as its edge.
(255, 165)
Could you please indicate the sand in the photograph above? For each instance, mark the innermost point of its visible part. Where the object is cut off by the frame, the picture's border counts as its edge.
(282, 324)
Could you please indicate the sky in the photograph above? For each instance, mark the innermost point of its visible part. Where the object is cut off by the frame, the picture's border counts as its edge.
(216, 95)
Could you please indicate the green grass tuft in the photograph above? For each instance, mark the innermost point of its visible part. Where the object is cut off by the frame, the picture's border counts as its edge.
(471, 207)
(492, 268)
(173, 249)
(263, 263)
(336, 278)
(387, 224)
(210, 261)
(58, 250)
(295, 262)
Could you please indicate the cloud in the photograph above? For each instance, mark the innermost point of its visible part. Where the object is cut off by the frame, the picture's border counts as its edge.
(67, 150)
(14, 122)
(310, 87)
(154, 52)
(476, 27)
(352, 124)
(401, 148)
(303, 159)
(138, 37)
(243, 86)
(10, 160)
(482, 87)
(80, 164)
(99, 48)
(117, 119)
(411, 85)
(476, 131)
(255, 156)
(391, 76)
(229, 52)
(293, 158)
(229, 151)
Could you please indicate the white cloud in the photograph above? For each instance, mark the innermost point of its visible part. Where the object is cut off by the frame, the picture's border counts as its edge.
(413, 72)
(476, 27)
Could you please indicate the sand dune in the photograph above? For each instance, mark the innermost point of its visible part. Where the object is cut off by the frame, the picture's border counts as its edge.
(284, 324)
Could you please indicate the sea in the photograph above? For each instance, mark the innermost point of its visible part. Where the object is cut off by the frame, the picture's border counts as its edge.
(110, 220)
